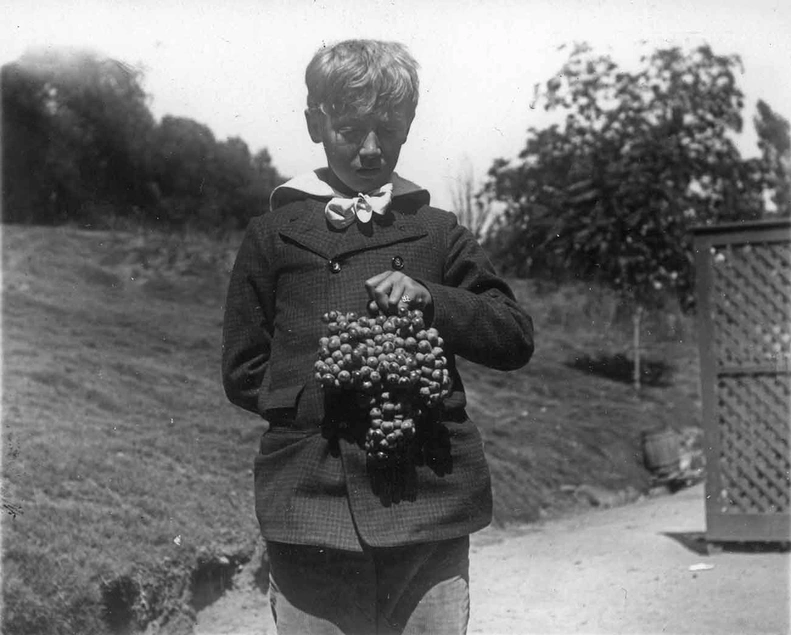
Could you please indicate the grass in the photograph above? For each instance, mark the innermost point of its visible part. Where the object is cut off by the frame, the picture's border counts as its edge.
(125, 470)
(558, 423)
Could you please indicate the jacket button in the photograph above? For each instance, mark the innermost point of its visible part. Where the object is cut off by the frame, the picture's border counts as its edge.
(398, 263)
(335, 266)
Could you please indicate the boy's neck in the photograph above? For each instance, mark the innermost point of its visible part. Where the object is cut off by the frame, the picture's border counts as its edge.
(336, 184)
(329, 177)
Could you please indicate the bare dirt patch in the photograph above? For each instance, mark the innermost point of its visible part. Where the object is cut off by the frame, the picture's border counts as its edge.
(639, 569)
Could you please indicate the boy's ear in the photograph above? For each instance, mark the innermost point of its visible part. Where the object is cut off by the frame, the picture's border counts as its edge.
(313, 119)
(409, 127)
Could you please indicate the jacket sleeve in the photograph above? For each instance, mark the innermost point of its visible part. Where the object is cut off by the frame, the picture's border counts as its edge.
(248, 322)
(475, 310)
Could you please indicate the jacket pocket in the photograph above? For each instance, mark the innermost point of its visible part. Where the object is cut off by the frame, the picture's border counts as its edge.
(277, 440)
(279, 405)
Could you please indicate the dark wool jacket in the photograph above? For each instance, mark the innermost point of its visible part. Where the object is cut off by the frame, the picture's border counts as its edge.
(311, 481)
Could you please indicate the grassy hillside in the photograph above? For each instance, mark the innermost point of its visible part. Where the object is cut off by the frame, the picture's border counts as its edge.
(126, 474)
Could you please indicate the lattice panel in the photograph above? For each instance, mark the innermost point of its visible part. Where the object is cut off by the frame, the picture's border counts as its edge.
(752, 300)
(755, 430)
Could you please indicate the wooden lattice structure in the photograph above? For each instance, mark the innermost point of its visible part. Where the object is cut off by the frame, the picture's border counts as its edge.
(744, 332)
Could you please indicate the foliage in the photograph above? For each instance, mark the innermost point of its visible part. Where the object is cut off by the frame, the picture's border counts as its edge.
(611, 193)
(775, 144)
(83, 141)
(80, 125)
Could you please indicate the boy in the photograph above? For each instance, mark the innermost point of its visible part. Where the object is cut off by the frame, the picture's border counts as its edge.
(352, 548)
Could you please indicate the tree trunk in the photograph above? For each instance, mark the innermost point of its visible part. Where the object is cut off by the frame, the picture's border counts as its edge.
(637, 318)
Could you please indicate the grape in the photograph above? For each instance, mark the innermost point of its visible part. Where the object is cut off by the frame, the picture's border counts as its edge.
(396, 367)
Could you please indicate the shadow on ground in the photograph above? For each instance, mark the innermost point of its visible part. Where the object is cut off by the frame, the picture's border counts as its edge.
(618, 367)
(697, 542)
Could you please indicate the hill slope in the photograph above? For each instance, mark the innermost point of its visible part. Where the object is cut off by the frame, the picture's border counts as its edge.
(126, 473)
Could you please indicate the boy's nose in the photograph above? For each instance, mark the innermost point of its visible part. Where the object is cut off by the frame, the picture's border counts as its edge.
(370, 145)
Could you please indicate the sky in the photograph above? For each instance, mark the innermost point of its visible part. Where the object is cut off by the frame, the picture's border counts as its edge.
(238, 65)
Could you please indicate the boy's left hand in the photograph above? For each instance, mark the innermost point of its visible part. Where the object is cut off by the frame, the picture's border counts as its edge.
(393, 288)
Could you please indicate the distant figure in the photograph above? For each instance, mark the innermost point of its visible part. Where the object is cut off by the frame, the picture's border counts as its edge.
(358, 545)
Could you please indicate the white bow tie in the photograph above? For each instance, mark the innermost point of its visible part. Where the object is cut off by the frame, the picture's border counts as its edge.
(342, 212)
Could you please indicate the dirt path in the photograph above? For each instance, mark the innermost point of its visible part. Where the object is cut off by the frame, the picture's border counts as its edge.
(623, 570)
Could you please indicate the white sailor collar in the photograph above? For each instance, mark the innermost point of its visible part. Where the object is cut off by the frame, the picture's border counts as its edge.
(314, 185)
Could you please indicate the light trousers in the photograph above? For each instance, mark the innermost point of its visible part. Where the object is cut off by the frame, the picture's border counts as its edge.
(418, 589)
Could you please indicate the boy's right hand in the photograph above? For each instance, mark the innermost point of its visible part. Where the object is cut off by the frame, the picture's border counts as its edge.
(391, 289)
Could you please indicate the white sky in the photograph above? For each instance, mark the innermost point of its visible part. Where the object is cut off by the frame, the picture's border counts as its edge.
(238, 65)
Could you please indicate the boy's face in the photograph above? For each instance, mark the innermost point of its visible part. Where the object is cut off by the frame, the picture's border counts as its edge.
(362, 151)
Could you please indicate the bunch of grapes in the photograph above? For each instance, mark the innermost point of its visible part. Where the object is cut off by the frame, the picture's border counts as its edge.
(396, 367)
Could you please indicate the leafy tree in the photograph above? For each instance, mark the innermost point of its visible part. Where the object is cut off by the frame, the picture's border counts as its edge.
(208, 183)
(244, 181)
(775, 144)
(25, 124)
(184, 153)
(81, 126)
(609, 194)
(80, 142)
(265, 179)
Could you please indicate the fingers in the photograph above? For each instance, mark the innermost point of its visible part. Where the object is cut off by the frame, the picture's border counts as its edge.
(386, 289)
(399, 290)
(392, 289)
(378, 289)
(373, 282)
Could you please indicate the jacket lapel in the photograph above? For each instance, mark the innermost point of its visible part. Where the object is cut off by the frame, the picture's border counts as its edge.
(308, 228)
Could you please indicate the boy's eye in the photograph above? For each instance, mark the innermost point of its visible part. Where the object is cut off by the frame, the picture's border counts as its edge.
(348, 132)
(356, 134)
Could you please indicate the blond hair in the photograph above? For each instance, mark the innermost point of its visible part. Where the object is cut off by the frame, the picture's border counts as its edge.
(362, 77)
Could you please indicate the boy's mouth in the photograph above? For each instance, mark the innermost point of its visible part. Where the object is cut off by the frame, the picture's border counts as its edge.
(369, 171)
